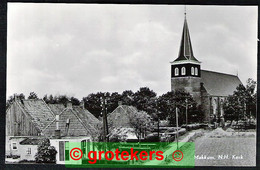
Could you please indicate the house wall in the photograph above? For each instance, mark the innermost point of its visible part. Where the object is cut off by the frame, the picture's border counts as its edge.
(119, 118)
(10, 143)
(59, 145)
(25, 155)
(206, 104)
(18, 123)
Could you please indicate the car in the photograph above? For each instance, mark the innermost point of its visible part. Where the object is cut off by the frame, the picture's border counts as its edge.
(153, 137)
(173, 132)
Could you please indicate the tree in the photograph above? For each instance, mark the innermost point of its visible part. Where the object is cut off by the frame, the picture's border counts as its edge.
(144, 99)
(75, 101)
(45, 152)
(141, 122)
(12, 98)
(112, 101)
(127, 97)
(32, 95)
(20, 96)
(45, 98)
(242, 104)
(252, 99)
(168, 102)
(93, 103)
(195, 114)
(9, 101)
(62, 99)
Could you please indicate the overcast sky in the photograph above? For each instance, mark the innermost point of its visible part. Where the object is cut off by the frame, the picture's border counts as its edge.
(79, 49)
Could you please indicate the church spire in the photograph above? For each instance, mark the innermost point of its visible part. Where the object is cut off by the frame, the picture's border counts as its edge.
(185, 52)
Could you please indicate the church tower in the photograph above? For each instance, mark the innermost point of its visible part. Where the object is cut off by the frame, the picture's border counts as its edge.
(185, 70)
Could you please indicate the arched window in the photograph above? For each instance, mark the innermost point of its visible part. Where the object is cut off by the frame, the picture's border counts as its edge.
(176, 71)
(183, 71)
(196, 71)
(192, 70)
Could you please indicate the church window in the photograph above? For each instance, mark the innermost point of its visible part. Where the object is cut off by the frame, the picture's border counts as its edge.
(176, 71)
(183, 71)
(192, 70)
(196, 71)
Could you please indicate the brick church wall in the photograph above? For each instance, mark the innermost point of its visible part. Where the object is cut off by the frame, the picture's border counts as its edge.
(189, 84)
(205, 103)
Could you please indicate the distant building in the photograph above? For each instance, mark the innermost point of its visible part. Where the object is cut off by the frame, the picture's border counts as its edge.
(208, 88)
(119, 122)
(30, 119)
(120, 117)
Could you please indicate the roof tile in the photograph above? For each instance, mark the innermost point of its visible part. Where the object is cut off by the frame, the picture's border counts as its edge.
(219, 84)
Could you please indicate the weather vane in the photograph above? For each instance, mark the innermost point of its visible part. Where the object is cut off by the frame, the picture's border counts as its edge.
(185, 11)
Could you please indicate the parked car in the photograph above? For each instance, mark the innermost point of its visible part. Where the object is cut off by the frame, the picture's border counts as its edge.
(191, 126)
(173, 132)
(153, 137)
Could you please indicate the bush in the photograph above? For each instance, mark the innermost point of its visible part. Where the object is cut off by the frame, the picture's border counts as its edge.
(26, 161)
(172, 139)
(45, 152)
(16, 156)
(13, 156)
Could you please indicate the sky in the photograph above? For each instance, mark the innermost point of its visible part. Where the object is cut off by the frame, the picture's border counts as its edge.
(78, 49)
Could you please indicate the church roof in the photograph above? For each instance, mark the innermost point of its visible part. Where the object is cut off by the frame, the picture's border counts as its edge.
(219, 84)
(185, 52)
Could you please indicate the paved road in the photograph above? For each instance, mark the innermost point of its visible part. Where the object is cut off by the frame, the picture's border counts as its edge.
(244, 149)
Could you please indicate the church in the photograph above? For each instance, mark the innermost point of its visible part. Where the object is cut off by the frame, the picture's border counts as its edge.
(208, 88)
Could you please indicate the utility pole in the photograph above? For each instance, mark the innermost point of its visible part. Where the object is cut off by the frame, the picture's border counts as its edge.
(186, 101)
(177, 126)
(158, 119)
(245, 114)
(104, 115)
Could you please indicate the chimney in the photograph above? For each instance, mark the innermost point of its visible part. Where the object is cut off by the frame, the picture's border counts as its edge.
(57, 117)
(120, 103)
(57, 134)
(82, 104)
(69, 105)
(15, 97)
(57, 130)
(67, 126)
